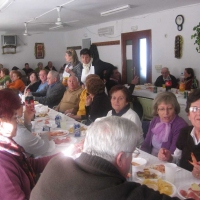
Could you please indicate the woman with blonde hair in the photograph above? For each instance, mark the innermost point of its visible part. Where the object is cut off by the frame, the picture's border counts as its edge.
(74, 66)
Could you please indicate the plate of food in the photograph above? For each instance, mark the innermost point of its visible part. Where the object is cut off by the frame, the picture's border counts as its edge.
(58, 133)
(164, 187)
(60, 142)
(158, 167)
(189, 191)
(148, 174)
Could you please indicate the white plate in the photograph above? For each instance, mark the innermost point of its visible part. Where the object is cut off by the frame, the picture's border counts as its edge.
(184, 187)
(72, 141)
(159, 174)
(173, 187)
(154, 167)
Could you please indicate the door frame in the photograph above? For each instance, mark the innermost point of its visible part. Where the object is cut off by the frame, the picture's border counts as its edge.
(131, 36)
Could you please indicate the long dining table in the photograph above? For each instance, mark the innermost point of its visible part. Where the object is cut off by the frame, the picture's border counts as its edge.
(182, 176)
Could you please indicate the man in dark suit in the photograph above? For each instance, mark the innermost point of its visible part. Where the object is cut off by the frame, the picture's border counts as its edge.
(160, 81)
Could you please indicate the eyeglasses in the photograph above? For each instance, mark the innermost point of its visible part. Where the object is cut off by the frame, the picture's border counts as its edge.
(194, 109)
(167, 109)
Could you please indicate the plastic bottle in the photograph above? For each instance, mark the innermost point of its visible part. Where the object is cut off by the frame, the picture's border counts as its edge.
(29, 99)
(181, 83)
(77, 130)
(57, 120)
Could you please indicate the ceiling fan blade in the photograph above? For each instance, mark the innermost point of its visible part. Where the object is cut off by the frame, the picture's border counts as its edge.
(70, 22)
(56, 27)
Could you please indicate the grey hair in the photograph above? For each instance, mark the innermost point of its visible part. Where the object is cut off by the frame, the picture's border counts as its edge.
(108, 136)
(55, 74)
(75, 78)
(167, 98)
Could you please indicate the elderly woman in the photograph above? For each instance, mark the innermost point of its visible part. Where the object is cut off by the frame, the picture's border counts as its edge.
(34, 83)
(165, 127)
(5, 78)
(17, 83)
(39, 67)
(120, 98)
(97, 102)
(18, 172)
(74, 66)
(188, 140)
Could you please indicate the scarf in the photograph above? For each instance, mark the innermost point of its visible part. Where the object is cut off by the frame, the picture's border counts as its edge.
(162, 131)
(124, 110)
(87, 66)
(10, 146)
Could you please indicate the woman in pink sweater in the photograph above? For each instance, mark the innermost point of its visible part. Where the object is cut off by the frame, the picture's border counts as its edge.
(18, 172)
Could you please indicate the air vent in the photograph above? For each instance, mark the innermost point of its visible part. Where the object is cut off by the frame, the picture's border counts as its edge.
(106, 31)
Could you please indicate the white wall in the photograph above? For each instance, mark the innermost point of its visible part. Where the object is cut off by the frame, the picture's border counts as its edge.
(54, 51)
(164, 31)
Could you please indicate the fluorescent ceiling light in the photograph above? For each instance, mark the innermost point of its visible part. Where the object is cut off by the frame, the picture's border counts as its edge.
(4, 4)
(115, 10)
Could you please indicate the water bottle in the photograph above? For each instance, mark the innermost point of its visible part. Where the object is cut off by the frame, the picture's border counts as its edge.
(77, 130)
(57, 120)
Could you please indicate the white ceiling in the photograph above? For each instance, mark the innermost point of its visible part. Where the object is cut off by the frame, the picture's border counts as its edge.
(87, 12)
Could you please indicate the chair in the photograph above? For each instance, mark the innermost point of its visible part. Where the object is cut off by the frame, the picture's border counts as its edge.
(147, 107)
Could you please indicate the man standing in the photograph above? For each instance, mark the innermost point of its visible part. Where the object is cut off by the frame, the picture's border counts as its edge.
(51, 95)
(71, 98)
(101, 170)
(160, 81)
(89, 67)
(43, 79)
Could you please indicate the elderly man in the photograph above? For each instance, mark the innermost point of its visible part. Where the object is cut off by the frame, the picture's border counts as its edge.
(27, 69)
(71, 98)
(100, 171)
(160, 81)
(43, 79)
(52, 94)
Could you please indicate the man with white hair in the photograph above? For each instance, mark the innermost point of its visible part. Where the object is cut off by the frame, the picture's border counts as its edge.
(165, 75)
(100, 171)
(52, 94)
(71, 97)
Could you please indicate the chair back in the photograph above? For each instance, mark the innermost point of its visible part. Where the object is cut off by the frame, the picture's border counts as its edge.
(147, 107)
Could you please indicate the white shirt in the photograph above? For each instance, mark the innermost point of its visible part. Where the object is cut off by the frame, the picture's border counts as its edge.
(66, 74)
(86, 73)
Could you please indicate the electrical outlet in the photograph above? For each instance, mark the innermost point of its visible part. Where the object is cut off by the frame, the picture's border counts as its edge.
(158, 67)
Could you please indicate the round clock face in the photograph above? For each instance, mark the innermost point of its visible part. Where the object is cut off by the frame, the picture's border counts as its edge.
(179, 19)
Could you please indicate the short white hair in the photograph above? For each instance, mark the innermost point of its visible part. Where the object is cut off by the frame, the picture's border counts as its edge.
(55, 74)
(109, 136)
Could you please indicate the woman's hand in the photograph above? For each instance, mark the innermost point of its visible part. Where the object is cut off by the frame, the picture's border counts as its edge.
(88, 100)
(196, 170)
(135, 80)
(28, 114)
(164, 155)
(68, 70)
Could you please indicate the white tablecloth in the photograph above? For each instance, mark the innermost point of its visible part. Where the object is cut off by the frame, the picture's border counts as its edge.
(183, 177)
(66, 122)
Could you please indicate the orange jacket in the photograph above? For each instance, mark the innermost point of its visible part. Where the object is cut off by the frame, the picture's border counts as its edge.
(18, 85)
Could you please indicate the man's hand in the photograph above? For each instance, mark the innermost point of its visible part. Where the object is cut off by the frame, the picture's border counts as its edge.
(69, 111)
(135, 80)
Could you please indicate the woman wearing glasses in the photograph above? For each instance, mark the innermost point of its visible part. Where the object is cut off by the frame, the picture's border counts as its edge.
(165, 127)
(189, 139)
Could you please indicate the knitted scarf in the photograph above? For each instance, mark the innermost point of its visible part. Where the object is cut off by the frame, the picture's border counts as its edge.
(10, 146)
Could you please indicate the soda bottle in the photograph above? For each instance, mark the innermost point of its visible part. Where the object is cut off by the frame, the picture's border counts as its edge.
(29, 99)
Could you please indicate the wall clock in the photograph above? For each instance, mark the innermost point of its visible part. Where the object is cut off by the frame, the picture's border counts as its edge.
(179, 21)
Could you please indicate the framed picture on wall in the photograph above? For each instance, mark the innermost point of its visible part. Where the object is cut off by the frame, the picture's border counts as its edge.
(39, 50)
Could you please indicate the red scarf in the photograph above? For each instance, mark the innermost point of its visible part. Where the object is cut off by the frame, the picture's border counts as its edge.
(10, 146)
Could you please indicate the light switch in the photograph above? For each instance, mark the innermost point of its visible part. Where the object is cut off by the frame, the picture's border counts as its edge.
(158, 67)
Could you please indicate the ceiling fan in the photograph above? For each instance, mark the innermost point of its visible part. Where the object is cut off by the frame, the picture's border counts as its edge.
(59, 23)
(26, 33)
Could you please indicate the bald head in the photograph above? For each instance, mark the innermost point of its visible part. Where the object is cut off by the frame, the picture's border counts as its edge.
(165, 72)
(73, 83)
